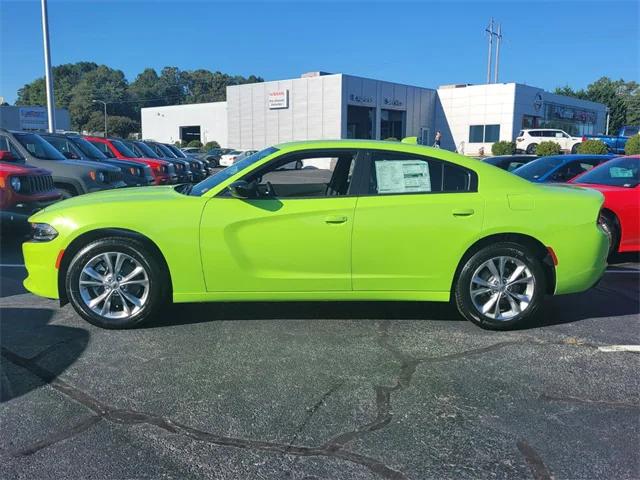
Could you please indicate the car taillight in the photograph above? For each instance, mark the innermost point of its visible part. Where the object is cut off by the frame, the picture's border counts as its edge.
(584, 139)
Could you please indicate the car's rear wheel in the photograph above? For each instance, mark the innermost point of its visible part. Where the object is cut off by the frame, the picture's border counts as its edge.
(531, 149)
(574, 149)
(116, 282)
(609, 226)
(501, 286)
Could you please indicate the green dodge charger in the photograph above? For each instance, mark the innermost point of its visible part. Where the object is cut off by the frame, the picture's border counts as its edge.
(323, 220)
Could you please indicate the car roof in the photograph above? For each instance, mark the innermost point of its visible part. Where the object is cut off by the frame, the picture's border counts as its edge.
(567, 157)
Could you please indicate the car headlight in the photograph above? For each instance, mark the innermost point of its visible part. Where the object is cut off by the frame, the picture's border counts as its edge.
(43, 232)
(16, 184)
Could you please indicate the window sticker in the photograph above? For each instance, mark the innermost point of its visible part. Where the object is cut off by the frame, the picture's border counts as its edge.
(402, 176)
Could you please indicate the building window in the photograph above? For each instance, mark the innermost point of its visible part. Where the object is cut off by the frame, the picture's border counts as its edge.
(188, 134)
(476, 133)
(484, 133)
(392, 124)
(361, 122)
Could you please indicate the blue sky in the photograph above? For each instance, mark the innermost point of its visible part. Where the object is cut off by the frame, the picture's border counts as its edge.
(546, 43)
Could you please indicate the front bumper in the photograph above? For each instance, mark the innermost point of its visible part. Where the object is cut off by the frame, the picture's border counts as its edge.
(21, 211)
(40, 261)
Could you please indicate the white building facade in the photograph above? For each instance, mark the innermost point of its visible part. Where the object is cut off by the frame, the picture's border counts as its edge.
(332, 106)
(197, 121)
(473, 117)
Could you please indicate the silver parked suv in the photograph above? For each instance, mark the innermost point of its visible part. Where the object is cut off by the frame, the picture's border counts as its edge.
(71, 177)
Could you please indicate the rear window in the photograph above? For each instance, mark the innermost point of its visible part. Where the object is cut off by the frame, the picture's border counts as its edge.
(538, 168)
(620, 172)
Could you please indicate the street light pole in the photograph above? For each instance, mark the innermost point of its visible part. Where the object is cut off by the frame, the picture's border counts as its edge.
(490, 31)
(105, 114)
(51, 102)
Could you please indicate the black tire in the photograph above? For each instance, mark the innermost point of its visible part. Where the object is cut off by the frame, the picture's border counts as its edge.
(610, 226)
(463, 285)
(158, 294)
(574, 149)
(531, 149)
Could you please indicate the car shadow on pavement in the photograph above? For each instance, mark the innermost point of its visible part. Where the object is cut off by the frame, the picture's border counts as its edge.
(181, 314)
(29, 343)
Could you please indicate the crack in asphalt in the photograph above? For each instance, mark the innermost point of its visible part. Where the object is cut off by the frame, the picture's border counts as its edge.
(335, 447)
(538, 469)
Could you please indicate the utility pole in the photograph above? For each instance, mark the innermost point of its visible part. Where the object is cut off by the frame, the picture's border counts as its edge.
(498, 38)
(51, 102)
(105, 114)
(490, 31)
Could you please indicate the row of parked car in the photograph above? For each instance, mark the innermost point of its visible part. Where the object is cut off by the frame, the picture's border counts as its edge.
(617, 178)
(39, 169)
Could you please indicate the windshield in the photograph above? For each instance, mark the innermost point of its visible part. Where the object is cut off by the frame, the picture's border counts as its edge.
(146, 150)
(167, 152)
(538, 168)
(87, 148)
(123, 149)
(38, 147)
(207, 184)
(176, 151)
(621, 172)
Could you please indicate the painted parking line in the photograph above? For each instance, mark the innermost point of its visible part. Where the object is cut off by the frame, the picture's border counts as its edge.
(11, 265)
(635, 272)
(620, 348)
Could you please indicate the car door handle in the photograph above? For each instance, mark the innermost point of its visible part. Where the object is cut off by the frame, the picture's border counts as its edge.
(463, 212)
(335, 219)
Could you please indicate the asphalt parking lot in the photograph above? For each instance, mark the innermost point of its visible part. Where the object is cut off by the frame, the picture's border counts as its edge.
(321, 390)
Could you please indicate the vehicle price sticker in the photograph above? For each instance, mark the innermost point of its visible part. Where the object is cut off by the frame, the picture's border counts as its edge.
(402, 176)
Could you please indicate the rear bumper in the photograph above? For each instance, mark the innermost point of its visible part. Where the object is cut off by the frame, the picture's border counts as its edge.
(581, 263)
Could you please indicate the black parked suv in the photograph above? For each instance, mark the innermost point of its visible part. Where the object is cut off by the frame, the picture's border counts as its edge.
(74, 147)
(71, 177)
(198, 166)
(182, 168)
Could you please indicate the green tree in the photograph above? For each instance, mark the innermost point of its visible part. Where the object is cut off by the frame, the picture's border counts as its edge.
(210, 146)
(593, 147)
(632, 147)
(503, 147)
(548, 148)
(117, 126)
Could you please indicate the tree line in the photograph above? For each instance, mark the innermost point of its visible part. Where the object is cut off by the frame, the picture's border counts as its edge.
(76, 85)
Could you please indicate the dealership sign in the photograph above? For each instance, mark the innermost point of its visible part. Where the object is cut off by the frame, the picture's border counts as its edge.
(278, 99)
(33, 118)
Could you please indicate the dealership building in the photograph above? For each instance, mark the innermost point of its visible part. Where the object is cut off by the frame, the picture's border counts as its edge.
(333, 106)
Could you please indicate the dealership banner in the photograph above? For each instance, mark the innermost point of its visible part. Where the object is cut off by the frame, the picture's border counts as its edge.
(33, 118)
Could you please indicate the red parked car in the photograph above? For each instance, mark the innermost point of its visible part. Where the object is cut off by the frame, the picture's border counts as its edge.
(23, 190)
(619, 181)
(164, 173)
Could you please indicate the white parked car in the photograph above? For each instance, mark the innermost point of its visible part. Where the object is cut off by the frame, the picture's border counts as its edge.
(229, 158)
(529, 139)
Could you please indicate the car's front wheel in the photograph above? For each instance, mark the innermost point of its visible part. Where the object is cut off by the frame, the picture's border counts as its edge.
(531, 149)
(501, 286)
(116, 282)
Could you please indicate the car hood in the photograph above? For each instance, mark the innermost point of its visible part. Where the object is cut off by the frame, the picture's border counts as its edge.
(21, 169)
(119, 196)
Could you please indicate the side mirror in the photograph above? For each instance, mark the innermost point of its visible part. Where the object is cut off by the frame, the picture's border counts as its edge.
(6, 156)
(243, 190)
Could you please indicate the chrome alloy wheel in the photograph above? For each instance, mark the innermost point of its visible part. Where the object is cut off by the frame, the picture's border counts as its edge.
(114, 285)
(502, 287)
